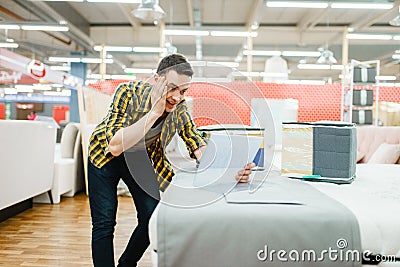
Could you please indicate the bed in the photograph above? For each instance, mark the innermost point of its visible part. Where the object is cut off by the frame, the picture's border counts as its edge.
(231, 230)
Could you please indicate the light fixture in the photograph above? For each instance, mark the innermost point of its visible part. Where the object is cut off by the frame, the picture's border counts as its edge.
(362, 5)
(199, 63)
(271, 53)
(326, 57)
(297, 4)
(301, 53)
(147, 49)
(319, 67)
(52, 28)
(396, 21)
(116, 1)
(365, 36)
(33, 26)
(396, 37)
(396, 56)
(186, 32)
(113, 48)
(233, 34)
(139, 70)
(149, 10)
(9, 45)
(326, 4)
(82, 60)
(262, 53)
(385, 78)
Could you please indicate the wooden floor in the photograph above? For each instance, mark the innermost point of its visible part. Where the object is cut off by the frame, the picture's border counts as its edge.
(59, 235)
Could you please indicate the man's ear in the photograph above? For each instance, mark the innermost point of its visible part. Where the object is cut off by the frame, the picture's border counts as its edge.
(156, 76)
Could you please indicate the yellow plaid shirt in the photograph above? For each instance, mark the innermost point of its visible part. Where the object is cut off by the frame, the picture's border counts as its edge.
(131, 102)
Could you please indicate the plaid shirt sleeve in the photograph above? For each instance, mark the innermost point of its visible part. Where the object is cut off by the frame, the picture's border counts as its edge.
(189, 133)
(119, 113)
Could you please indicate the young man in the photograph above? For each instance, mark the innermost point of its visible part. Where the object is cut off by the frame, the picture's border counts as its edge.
(130, 144)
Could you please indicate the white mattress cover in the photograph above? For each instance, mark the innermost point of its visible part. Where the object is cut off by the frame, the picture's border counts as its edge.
(374, 198)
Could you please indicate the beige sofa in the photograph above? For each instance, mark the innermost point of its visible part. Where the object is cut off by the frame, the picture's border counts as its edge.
(26, 160)
(369, 138)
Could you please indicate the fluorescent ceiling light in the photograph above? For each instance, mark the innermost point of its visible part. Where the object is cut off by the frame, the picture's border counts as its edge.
(83, 60)
(60, 68)
(9, 45)
(300, 4)
(262, 53)
(385, 78)
(113, 48)
(362, 5)
(10, 26)
(201, 63)
(96, 60)
(319, 67)
(138, 70)
(233, 34)
(396, 37)
(116, 1)
(54, 28)
(397, 56)
(361, 36)
(10, 91)
(148, 49)
(301, 53)
(65, 59)
(186, 32)
(22, 88)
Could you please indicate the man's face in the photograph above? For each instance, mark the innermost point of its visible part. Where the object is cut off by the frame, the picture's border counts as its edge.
(177, 85)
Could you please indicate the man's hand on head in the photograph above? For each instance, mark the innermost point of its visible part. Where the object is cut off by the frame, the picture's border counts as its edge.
(158, 96)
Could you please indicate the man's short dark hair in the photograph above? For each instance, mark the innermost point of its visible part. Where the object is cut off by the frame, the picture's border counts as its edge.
(176, 62)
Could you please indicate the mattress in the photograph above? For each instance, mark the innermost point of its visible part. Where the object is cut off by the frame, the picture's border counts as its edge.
(319, 151)
(373, 198)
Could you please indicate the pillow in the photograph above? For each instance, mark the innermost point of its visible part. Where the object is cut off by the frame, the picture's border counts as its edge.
(360, 155)
(386, 154)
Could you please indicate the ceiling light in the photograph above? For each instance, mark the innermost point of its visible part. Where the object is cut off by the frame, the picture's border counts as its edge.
(262, 53)
(186, 32)
(10, 26)
(65, 59)
(9, 45)
(214, 64)
(319, 67)
(113, 48)
(149, 10)
(326, 57)
(298, 4)
(396, 56)
(385, 78)
(116, 1)
(139, 70)
(233, 34)
(54, 28)
(96, 60)
(83, 60)
(396, 20)
(397, 38)
(362, 5)
(301, 53)
(60, 68)
(362, 36)
(145, 49)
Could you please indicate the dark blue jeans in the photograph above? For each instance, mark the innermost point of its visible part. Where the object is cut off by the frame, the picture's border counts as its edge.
(138, 174)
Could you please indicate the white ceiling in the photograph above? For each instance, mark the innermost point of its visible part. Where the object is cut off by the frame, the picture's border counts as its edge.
(280, 29)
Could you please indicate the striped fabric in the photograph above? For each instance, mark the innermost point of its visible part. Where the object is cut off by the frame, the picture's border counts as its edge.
(130, 103)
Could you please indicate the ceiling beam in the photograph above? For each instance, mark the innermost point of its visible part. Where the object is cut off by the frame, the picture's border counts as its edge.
(133, 21)
(189, 7)
(254, 13)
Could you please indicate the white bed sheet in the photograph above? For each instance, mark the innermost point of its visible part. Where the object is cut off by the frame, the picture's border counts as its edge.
(374, 198)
